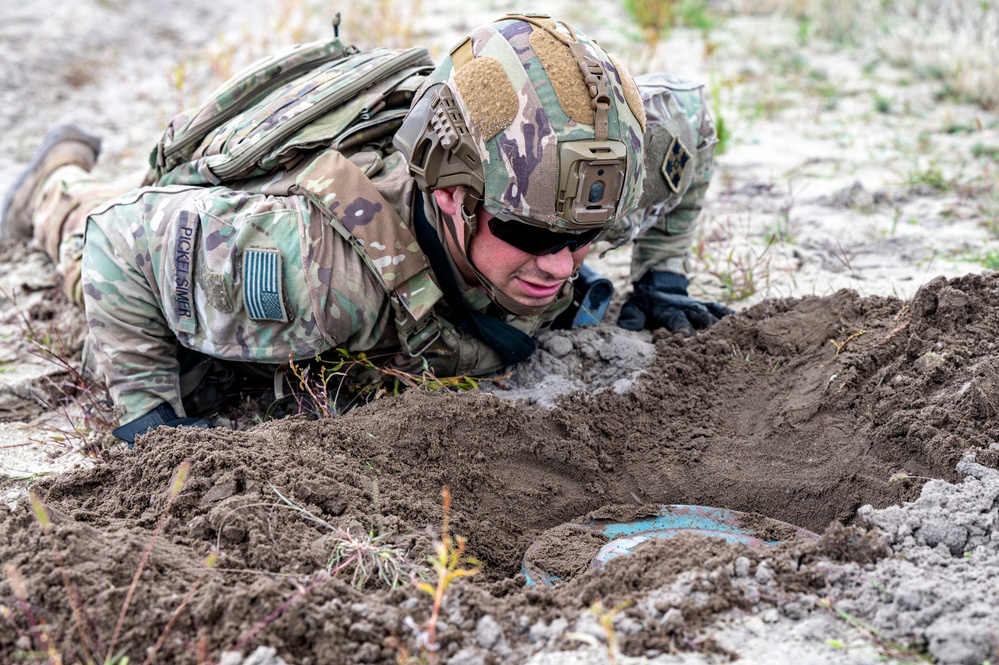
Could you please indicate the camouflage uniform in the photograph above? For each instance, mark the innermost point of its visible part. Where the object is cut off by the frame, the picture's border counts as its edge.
(664, 225)
(320, 255)
(169, 265)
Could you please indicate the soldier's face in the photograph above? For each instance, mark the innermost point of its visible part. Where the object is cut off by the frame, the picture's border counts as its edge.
(530, 280)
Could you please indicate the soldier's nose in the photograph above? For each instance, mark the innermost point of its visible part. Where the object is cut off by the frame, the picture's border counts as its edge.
(559, 265)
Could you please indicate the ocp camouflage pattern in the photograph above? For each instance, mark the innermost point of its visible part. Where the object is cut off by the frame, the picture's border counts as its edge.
(162, 266)
(664, 225)
(184, 134)
(521, 162)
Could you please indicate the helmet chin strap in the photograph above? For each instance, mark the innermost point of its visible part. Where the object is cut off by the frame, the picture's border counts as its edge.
(505, 302)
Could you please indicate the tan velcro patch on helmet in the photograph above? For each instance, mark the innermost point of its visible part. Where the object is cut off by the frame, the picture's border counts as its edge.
(631, 93)
(488, 95)
(566, 77)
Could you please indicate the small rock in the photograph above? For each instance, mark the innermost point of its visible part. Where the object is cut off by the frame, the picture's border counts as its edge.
(622, 386)
(467, 656)
(558, 346)
(487, 632)
(763, 573)
(672, 620)
(628, 626)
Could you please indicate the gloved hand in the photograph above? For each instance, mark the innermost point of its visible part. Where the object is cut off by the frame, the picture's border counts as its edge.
(660, 300)
(163, 415)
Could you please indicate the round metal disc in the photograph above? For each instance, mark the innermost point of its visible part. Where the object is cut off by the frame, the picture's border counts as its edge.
(670, 521)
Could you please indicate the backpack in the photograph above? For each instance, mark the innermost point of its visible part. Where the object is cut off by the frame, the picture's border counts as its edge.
(311, 96)
(318, 101)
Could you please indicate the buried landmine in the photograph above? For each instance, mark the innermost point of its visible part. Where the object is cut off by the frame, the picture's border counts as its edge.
(798, 410)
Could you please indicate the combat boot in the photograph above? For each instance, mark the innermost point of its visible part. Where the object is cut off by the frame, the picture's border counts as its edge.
(62, 146)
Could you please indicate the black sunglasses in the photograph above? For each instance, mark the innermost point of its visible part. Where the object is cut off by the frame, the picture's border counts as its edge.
(536, 240)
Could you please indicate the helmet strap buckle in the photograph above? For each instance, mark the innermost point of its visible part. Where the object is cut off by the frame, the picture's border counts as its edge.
(595, 79)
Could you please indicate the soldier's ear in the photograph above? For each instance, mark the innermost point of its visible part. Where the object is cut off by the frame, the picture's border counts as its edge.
(449, 199)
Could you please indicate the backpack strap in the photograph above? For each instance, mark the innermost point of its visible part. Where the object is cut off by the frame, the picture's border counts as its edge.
(360, 215)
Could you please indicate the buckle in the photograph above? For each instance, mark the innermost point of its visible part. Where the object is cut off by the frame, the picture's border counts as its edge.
(595, 79)
(424, 344)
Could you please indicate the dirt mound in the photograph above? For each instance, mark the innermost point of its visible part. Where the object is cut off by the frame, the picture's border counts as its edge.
(802, 410)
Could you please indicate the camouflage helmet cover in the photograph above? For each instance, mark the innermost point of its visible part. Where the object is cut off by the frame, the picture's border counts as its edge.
(538, 123)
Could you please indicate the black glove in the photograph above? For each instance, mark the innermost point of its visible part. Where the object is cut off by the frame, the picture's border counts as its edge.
(660, 300)
(163, 415)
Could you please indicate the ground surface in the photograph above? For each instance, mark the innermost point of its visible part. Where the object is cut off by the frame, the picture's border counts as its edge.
(824, 408)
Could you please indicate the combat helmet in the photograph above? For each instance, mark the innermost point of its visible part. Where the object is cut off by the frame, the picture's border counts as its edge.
(538, 123)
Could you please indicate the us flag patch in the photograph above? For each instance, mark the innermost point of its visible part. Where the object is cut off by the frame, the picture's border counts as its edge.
(262, 285)
(674, 164)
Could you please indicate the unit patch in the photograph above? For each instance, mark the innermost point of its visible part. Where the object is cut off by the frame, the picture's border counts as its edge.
(677, 158)
(263, 288)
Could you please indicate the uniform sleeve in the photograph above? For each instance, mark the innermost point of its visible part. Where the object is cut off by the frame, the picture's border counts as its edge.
(231, 274)
(134, 347)
(664, 245)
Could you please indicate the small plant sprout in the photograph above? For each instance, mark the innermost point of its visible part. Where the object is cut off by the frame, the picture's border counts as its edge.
(891, 649)
(903, 475)
(449, 563)
(606, 620)
(370, 555)
(321, 384)
(841, 345)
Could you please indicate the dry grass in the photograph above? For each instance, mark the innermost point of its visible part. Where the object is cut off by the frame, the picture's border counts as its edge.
(956, 41)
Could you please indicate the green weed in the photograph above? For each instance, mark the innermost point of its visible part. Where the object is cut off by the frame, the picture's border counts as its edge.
(739, 269)
(695, 14)
(804, 33)
(927, 175)
(330, 386)
(370, 555)
(891, 649)
(988, 152)
(721, 125)
(450, 563)
(990, 260)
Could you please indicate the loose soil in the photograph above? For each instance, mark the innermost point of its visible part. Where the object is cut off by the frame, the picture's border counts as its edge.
(760, 414)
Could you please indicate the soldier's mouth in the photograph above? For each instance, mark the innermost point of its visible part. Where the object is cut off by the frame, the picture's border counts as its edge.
(540, 291)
